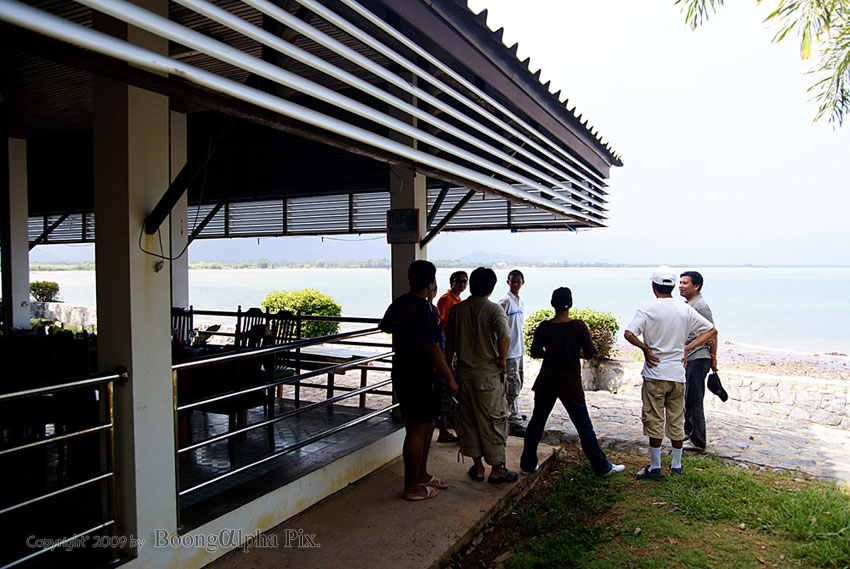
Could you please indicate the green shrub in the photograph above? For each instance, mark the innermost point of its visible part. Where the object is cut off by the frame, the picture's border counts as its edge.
(602, 325)
(45, 291)
(531, 323)
(307, 301)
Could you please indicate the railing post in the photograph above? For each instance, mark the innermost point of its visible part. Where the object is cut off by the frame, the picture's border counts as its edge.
(363, 373)
(298, 360)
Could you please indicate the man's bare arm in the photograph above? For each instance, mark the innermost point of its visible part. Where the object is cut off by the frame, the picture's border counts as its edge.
(699, 341)
(502, 360)
(712, 350)
(651, 359)
(437, 358)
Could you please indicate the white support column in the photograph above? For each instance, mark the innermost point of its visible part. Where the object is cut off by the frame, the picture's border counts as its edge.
(407, 191)
(131, 172)
(19, 247)
(178, 217)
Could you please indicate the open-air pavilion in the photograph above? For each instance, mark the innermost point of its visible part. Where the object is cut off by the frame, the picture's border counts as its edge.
(143, 126)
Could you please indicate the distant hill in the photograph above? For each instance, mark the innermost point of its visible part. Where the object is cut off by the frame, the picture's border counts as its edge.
(489, 258)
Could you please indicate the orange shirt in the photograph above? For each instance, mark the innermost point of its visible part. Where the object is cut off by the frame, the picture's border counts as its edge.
(444, 303)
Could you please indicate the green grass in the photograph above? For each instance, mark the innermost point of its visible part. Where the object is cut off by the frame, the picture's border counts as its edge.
(713, 516)
(814, 517)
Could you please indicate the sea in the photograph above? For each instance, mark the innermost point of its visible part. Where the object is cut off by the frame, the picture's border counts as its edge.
(790, 308)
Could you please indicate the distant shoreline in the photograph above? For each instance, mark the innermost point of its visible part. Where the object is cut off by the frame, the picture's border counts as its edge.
(440, 263)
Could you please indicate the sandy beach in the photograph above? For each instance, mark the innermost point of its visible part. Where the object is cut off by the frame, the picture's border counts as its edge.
(747, 358)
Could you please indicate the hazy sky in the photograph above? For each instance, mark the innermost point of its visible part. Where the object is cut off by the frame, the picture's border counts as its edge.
(723, 163)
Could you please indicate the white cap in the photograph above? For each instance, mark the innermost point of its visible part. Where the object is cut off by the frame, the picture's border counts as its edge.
(664, 276)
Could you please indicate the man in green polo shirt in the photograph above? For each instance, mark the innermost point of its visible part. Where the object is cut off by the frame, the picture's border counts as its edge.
(477, 332)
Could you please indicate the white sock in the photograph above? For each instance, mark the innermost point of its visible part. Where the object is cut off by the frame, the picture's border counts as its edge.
(654, 457)
(677, 458)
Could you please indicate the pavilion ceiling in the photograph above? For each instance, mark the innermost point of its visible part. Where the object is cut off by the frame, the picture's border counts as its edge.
(323, 93)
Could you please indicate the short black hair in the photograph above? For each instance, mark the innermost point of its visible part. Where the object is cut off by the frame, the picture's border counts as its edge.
(696, 278)
(562, 299)
(420, 274)
(516, 273)
(663, 289)
(482, 281)
(456, 275)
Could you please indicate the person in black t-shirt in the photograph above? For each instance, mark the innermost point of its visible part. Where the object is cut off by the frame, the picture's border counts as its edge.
(416, 343)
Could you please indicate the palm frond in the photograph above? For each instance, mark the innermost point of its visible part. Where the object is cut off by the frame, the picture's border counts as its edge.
(697, 11)
(823, 27)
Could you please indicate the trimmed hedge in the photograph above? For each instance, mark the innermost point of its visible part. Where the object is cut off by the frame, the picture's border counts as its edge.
(602, 325)
(45, 291)
(307, 301)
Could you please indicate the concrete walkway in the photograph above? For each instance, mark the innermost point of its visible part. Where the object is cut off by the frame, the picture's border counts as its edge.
(816, 450)
(368, 525)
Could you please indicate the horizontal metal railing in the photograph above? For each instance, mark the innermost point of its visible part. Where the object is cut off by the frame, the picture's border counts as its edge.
(296, 380)
(104, 428)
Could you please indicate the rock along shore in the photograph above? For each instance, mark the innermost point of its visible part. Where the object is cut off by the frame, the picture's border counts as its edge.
(786, 411)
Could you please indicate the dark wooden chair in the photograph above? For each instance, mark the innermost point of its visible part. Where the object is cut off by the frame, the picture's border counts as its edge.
(284, 329)
(182, 322)
(224, 377)
(246, 322)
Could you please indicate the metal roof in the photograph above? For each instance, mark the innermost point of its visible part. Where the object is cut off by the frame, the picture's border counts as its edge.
(352, 213)
(338, 82)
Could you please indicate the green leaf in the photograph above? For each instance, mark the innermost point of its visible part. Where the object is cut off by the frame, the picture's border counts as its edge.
(806, 44)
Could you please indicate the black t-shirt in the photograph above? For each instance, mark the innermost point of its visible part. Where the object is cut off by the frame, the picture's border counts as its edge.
(561, 345)
(411, 322)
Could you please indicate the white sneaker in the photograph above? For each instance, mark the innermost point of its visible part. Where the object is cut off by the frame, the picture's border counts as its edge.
(615, 468)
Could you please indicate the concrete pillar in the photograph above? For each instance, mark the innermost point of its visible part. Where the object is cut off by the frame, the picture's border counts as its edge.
(16, 260)
(178, 219)
(131, 172)
(407, 191)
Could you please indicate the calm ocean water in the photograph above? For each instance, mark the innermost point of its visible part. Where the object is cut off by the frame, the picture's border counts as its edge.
(805, 309)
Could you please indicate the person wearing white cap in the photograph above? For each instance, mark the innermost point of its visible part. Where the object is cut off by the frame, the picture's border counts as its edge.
(665, 324)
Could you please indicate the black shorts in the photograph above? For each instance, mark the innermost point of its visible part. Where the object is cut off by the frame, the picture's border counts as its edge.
(419, 401)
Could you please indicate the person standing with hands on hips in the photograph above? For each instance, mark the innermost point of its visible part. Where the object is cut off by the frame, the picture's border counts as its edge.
(665, 325)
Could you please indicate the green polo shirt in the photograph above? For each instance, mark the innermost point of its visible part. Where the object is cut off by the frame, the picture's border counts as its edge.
(474, 329)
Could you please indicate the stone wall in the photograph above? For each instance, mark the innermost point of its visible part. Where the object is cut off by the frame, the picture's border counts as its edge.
(792, 398)
(65, 313)
(821, 401)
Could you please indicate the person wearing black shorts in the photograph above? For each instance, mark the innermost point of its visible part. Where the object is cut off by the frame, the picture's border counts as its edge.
(416, 337)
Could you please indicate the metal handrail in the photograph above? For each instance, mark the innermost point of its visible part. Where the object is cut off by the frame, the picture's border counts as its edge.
(105, 381)
(60, 544)
(325, 318)
(287, 415)
(288, 380)
(290, 448)
(120, 375)
(57, 438)
(344, 388)
(379, 387)
(268, 350)
(43, 497)
(316, 317)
